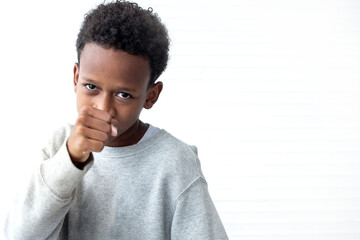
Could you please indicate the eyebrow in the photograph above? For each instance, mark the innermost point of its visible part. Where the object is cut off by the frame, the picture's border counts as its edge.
(88, 80)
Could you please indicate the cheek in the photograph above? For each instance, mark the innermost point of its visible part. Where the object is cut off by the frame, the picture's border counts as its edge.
(82, 100)
(78, 102)
(128, 114)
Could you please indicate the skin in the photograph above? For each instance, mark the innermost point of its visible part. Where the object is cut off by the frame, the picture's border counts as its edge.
(112, 88)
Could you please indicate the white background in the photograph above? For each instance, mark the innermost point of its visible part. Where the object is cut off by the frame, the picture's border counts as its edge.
(267, 89)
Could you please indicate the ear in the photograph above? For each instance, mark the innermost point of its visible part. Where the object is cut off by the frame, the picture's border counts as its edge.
(153, 95)
(76, 75)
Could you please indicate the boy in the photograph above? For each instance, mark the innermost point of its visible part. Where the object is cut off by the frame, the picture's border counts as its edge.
(111, 176)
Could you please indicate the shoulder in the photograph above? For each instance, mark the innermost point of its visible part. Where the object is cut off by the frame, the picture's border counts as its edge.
(176, 144)
(179, 160)
(57, 139)
(169, 145)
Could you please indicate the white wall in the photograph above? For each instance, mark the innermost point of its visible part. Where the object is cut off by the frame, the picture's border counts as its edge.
(267, 90)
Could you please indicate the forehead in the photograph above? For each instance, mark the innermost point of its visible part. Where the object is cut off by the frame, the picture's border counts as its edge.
(99, 62)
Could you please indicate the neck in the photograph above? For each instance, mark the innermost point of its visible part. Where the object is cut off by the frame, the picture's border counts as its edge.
(130, 136)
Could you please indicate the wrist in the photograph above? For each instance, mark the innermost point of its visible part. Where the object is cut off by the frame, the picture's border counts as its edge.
(82, 165)
(79, 162)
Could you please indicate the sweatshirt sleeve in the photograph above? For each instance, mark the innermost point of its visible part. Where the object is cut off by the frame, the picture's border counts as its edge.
(195, 216)
(39, 210)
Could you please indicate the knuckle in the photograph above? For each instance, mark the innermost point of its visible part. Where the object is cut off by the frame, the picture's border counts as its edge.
(81, 143)
(104, 137)
(81, 130)
(107, 128)
(85, 109)
(98, 146)
(81, 119)
(108, 117)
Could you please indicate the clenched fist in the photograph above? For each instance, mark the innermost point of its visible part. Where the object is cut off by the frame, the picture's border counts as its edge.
(92, 129)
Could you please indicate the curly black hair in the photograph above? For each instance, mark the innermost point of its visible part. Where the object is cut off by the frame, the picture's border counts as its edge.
(125, 26)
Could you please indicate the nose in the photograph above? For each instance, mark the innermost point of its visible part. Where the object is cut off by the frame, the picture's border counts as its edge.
(105, 103)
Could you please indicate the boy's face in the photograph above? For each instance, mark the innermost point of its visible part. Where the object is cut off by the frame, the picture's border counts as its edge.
(117, 83)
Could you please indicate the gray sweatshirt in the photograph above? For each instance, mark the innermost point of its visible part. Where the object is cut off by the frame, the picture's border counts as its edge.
(152, 190)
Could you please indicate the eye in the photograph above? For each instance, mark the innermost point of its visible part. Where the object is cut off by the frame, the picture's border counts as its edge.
(124, 95)
(90, 87)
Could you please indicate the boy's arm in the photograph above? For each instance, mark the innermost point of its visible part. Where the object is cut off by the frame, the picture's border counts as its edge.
(195, 215)
(40, 209)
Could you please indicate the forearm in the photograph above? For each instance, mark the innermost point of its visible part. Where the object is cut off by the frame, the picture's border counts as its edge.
(40, 210)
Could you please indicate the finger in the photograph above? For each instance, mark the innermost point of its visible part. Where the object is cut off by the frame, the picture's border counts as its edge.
(96, 135)
(94, 145)
(80, 148)
(96, 113)
(94, 123)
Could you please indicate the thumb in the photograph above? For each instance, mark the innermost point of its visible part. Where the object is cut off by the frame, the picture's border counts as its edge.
(114, 127)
